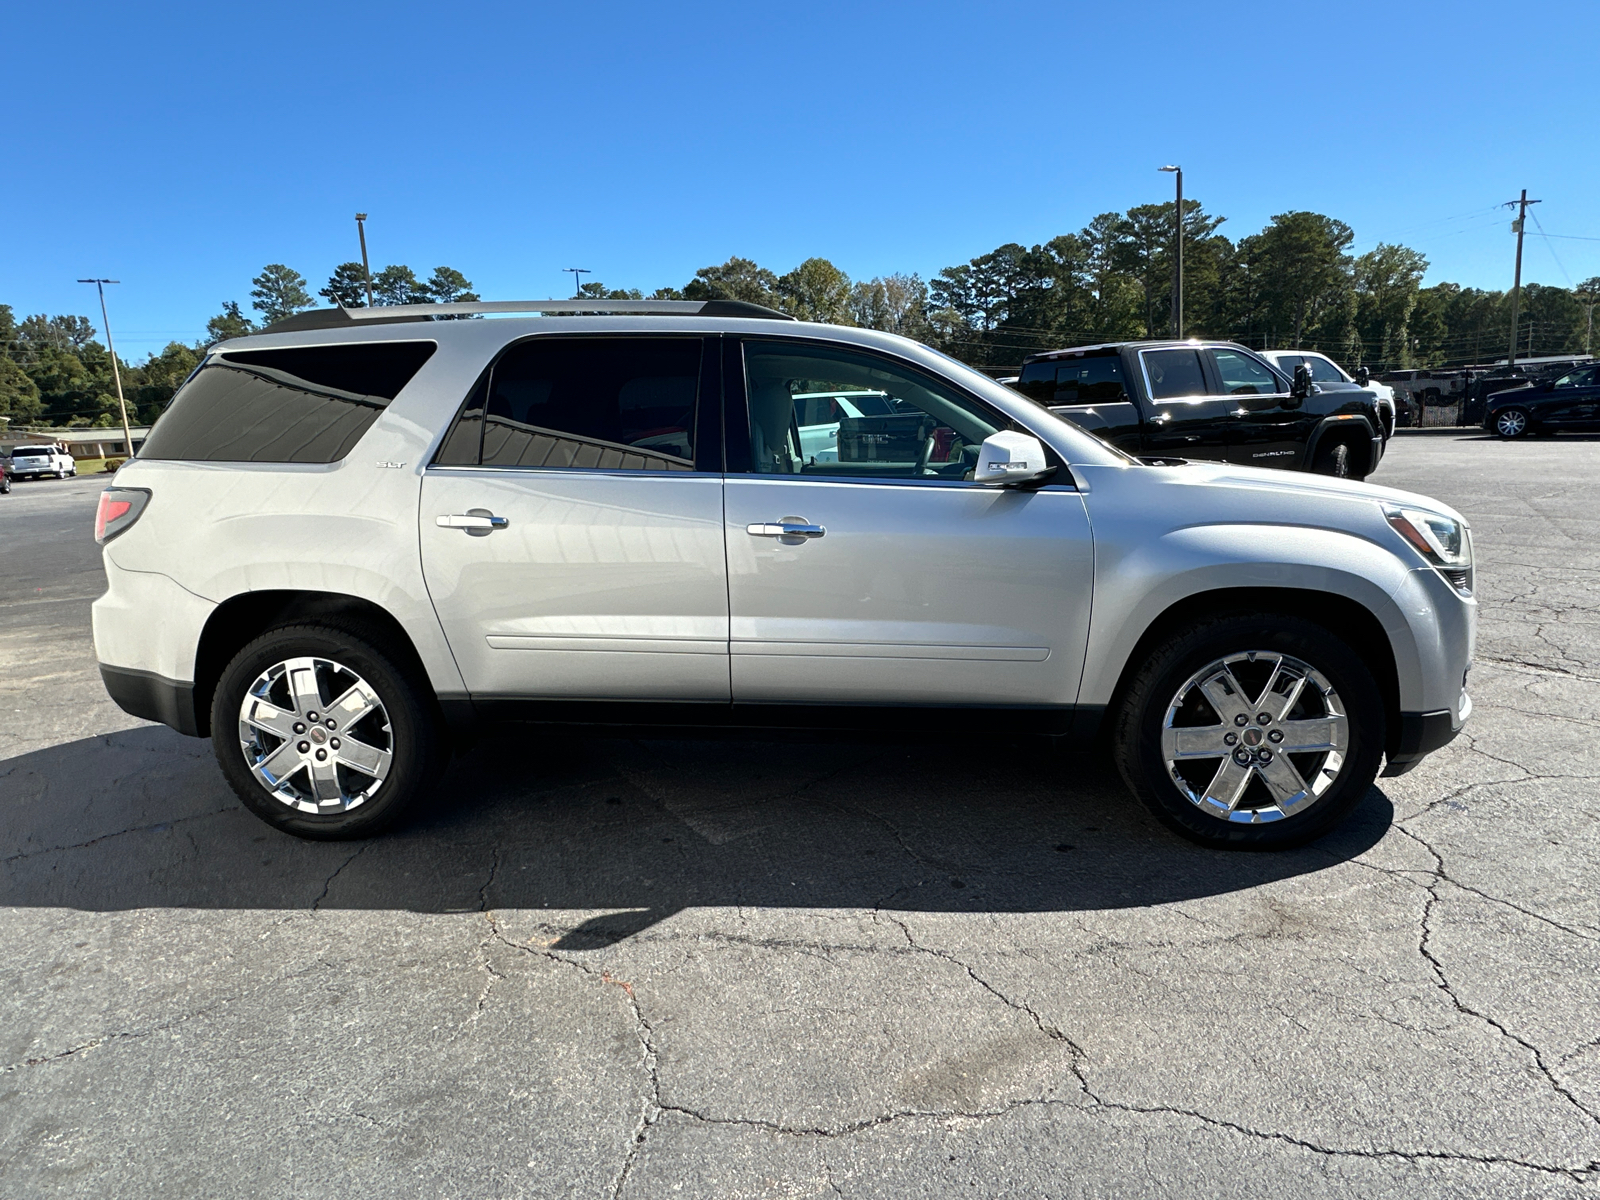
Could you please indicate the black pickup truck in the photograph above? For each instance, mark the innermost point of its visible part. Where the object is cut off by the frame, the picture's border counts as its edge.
(1215, 400)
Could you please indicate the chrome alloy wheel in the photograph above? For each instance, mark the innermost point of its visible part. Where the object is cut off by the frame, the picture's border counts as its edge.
(1255, 737)
(1511, 423)
(316, 735)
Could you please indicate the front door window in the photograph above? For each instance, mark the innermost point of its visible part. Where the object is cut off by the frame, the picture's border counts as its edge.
(818, 411)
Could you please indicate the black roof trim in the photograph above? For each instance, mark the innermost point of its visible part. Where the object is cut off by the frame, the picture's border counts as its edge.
(348, 318)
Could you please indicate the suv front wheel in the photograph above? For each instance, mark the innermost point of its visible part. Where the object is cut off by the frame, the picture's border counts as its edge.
(1254, 731)
(323, 734)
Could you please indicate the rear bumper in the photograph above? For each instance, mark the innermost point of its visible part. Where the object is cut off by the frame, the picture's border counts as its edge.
(153, 698)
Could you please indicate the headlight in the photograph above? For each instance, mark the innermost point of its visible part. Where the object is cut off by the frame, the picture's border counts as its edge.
(1443, 541)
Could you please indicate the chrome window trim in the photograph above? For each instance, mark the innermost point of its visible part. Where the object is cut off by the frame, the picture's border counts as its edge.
(1069, 486)
(610, 471)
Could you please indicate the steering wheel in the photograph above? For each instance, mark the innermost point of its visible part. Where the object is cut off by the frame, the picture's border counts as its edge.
(925, 453)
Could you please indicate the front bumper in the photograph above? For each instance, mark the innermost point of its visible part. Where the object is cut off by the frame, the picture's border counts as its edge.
(1444, 624)
(1421, 734)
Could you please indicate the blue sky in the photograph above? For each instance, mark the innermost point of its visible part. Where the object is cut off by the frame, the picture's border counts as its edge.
(181, 147)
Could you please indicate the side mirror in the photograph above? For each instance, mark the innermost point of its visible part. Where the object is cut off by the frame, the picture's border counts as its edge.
(1007, 459)
(1363, 376)
(1301, 387)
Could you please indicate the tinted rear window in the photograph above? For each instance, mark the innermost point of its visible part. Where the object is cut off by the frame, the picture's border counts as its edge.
(306, 405)
(32, 452)
(1094, 380)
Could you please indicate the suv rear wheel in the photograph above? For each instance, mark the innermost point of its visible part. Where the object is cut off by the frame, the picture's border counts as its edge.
(1253, 731)
(323, 734)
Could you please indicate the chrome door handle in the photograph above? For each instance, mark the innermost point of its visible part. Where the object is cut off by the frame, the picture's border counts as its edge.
(471, 521)
(786, 529)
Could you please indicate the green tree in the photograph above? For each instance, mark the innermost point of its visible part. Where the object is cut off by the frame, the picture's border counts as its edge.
(399, 284)
(279, 292)
(892, 303)
(1304, 275)
(229, 323)
(816, 290)
(63, 333)
(1387, 279)
(347, 286)
(1588, 292)
(449, 286)
(596, 290)
(736, 279)
(19, 395)
(150, 385)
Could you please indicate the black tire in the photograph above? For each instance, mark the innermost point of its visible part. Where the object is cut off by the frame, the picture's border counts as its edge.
(413, 731)
(1137, 732)
(1511, 423)
(1333, 458)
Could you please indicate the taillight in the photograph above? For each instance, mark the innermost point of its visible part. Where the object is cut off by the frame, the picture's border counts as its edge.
(119, 509)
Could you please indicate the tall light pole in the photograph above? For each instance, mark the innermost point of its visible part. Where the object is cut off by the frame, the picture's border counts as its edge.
(577, 280)
(100, 285)
(1516, 286)
(1177, 257)
(366, 271)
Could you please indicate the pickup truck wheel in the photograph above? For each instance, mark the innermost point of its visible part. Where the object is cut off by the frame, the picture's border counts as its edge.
(1251, 731)
(322, 734)
(1333, 459)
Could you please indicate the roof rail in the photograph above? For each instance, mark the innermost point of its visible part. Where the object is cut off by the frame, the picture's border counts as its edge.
(346, 318)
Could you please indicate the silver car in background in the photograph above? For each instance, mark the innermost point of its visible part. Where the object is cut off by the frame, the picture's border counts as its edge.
(357, 538)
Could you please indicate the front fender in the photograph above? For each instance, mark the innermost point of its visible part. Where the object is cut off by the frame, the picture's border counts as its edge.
(1135, 586)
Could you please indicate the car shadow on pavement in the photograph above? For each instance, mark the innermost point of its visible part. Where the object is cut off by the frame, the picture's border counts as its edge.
(615, 834)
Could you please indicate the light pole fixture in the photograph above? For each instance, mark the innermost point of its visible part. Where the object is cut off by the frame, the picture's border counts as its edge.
(127, 432)
(577, 280)
(1177, 257)
(366, 271)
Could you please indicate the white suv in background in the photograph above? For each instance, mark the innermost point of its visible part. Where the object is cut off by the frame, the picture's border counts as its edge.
(1325, 371)
(35, 462)
(358, 536)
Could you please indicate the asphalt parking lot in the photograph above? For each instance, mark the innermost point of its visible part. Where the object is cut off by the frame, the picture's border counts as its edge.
(655, 968)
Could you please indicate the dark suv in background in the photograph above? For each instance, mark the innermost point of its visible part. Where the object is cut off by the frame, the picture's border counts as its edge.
(1213, 400)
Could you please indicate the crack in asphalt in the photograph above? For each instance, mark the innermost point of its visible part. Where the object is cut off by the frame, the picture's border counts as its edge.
(316, 904)
(652, 1106)
(1424, 948)
(107, 1039)
(154, 826)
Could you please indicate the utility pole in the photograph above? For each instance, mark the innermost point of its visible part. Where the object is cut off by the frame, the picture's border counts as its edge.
(577, 280)
(1516, 286)
(127, 433)
(366, 271)
(1177, 257)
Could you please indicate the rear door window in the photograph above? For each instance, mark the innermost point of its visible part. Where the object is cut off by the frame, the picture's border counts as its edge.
(598, 403)
(309, 404)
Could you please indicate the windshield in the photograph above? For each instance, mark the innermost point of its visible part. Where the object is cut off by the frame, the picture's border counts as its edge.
(1323, 371)
(32, 451)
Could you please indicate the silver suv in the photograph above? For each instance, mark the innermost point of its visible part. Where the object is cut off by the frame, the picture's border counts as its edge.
(356, 538)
